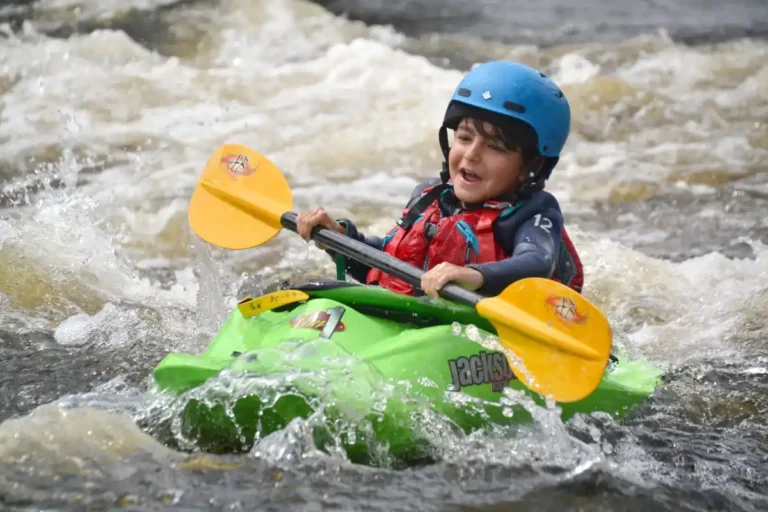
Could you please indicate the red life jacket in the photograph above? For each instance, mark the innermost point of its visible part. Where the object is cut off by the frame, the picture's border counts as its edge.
(568, 251)
(461, 239)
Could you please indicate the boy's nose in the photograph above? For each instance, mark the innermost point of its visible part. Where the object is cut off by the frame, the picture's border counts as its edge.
(473, 151)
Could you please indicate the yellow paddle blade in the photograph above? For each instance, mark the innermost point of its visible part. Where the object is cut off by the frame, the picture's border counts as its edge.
(563, 339)
(239, 199)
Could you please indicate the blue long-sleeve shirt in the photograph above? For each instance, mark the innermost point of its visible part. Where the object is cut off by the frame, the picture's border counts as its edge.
(530, 232)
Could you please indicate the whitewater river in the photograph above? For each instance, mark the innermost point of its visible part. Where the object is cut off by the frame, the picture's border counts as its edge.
(110, 109)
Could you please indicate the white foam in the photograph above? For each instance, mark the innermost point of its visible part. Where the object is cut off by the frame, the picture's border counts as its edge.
(574, 68)
(675, 313)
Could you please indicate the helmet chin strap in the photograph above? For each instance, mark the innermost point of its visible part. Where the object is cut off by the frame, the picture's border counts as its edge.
(442, 136)
(534, 180)
(536, 172)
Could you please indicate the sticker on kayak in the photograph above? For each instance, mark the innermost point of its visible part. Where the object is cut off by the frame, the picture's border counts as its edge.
(238, 165)
(251, 307)
(565, 310)
(327, 322)
(483, 368)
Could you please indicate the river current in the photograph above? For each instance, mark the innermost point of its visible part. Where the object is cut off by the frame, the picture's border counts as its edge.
(110, 109)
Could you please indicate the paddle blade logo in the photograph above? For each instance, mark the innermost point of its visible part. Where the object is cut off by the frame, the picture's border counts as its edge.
(327, 322)
(237, 165)
(483, 368)
(565, 310)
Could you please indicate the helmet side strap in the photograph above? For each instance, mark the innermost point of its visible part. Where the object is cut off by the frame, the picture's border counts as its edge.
(443, 137)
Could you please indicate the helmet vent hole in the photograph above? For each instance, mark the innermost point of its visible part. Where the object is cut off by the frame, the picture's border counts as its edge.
(464, 92)
(515, 107)
(559, 94)
(544, 147)
(542, 75)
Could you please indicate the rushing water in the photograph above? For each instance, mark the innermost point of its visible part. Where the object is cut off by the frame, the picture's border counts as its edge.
(110, 110)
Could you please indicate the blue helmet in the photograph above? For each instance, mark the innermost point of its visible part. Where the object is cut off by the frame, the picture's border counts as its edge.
(515, 97)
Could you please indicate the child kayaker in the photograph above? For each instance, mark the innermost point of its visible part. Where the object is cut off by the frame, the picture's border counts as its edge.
(487, 221)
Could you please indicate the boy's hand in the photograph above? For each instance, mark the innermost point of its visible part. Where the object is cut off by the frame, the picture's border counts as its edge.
(315, 217)
(434, 279)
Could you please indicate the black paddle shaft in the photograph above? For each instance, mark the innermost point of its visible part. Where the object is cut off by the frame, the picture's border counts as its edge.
(388, 264)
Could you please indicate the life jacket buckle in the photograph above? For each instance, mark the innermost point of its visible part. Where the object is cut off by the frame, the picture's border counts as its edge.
(430, 230)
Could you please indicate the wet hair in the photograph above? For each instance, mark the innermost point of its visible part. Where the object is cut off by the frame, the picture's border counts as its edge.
(509, 136)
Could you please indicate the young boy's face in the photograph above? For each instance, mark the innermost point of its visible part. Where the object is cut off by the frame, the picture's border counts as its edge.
(481, 167)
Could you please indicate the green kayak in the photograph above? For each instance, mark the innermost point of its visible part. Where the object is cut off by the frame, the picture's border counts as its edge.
(374, 363)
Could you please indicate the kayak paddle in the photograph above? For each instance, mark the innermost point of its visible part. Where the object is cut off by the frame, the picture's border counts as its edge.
(563, 341)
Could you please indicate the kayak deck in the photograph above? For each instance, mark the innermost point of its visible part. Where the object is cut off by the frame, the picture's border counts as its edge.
(348, 342)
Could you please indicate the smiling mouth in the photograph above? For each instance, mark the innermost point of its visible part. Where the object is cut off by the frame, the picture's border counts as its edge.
(469, 176)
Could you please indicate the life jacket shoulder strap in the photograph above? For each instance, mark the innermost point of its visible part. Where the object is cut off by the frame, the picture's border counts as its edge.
(427, 198)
